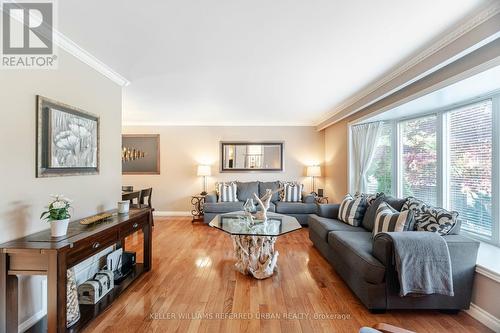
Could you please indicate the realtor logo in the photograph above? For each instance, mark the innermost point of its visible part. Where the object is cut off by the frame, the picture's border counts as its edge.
(27, 34)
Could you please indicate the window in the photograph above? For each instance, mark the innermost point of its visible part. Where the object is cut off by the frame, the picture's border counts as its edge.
(380, 172)
(448, 158)
(419, 159)
(470, 133)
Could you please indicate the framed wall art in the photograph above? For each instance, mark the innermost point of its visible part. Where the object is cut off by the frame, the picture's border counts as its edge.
(67, 140)
(141, 154)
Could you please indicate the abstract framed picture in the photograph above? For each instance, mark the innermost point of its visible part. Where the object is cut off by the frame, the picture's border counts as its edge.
(141, 154)
(67, 140)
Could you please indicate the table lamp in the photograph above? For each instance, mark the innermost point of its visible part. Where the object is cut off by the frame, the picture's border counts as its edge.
(313, 171)
(204, 171)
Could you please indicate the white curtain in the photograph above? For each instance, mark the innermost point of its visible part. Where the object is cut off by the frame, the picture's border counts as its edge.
(364, 143)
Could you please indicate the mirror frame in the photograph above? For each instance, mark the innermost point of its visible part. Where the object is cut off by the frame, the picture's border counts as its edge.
(281, 144)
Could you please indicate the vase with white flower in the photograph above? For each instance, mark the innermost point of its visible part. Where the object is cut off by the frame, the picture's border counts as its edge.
(57, 214)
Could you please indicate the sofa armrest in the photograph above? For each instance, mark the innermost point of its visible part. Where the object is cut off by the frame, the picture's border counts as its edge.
(308, 198)
(330, 211)
(462, 249)
(211, 197)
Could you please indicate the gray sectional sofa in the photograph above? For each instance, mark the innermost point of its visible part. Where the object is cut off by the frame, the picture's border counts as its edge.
(367, 265)
(245, 190)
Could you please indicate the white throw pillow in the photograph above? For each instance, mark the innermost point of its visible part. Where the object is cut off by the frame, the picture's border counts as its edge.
(227, 192)
(388, 219)
(352, 210)
(292, 192)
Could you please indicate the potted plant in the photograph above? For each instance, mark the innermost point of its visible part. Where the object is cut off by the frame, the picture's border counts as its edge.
(58, 215)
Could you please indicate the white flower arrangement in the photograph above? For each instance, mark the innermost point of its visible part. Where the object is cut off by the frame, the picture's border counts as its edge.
(58, 209)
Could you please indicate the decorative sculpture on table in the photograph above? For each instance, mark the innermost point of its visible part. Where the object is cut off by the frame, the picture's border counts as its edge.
(264, 203)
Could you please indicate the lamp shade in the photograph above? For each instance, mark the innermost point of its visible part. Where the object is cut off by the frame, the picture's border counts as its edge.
(314, 171)
(203, 170)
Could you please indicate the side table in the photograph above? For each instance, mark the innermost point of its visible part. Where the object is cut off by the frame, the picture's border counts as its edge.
(197, 201)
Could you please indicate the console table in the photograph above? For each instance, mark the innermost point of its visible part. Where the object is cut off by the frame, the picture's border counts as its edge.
(41, 254)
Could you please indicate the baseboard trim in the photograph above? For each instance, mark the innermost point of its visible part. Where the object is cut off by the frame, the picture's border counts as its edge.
(25, 325)
(484, 317)
(171, 213)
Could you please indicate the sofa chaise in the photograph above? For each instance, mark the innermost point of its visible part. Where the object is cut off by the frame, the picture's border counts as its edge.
(245, 190)
(367, 265)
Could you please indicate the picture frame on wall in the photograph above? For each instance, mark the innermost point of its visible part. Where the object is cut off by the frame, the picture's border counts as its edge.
(140, 154)
(67, 140)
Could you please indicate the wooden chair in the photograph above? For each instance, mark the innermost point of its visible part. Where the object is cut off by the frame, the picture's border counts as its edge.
(131, 197)
(146, 193)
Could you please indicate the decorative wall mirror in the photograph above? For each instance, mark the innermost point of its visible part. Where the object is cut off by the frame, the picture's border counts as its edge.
(251, 156)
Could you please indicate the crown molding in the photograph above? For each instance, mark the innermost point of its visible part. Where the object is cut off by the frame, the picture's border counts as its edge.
(217, 124)
(81, 54)
(466, 26)
(86, 57)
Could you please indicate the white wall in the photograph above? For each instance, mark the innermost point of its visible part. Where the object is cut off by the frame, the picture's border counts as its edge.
(25, 196)
(183, 148)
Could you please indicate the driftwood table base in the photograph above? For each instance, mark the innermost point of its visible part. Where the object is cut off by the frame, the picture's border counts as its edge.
(255, 255)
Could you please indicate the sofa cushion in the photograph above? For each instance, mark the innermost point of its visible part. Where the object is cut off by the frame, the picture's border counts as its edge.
(390, 220)
(263, 186)
(246, 190)
(355, 250)
(322, 226)
(371, 213)
(223, 207)
(227, 192)
(395, 203)
(292, 192)
(295, 208)
(429, 218)
(352, 210)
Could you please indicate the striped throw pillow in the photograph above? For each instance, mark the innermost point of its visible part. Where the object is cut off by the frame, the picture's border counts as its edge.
(388, 219)
(227, 192)
(292, 192)
(352, 210)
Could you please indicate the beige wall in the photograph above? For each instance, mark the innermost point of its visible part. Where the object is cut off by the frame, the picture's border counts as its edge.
(182, 148)
(25, 196)
(336, 148)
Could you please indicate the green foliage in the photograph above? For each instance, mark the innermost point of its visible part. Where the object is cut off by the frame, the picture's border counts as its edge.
(57, 209)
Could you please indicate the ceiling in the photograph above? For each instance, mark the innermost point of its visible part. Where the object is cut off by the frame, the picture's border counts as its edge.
(235, 62)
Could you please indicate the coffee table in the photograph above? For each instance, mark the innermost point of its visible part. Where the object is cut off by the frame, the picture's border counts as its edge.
(254, 242)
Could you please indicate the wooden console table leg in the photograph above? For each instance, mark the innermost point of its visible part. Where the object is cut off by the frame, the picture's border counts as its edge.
(52, 310)
(11, 304)
(146, 230)
(61, 291)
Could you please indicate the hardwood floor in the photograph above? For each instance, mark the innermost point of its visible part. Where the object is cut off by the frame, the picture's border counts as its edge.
(193, 284)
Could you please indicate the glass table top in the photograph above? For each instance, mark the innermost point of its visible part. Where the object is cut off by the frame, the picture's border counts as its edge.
(237, 223)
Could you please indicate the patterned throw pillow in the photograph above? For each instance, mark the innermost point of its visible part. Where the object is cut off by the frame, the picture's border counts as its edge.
(390, 220)
(352, 210)
(292, 191)
(227, 192)
(428, 218)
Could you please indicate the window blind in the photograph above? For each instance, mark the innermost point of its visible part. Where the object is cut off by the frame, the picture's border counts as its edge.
(470, 132)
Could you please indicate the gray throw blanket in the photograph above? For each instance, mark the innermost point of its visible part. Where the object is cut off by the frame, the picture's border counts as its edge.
(423, 263)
